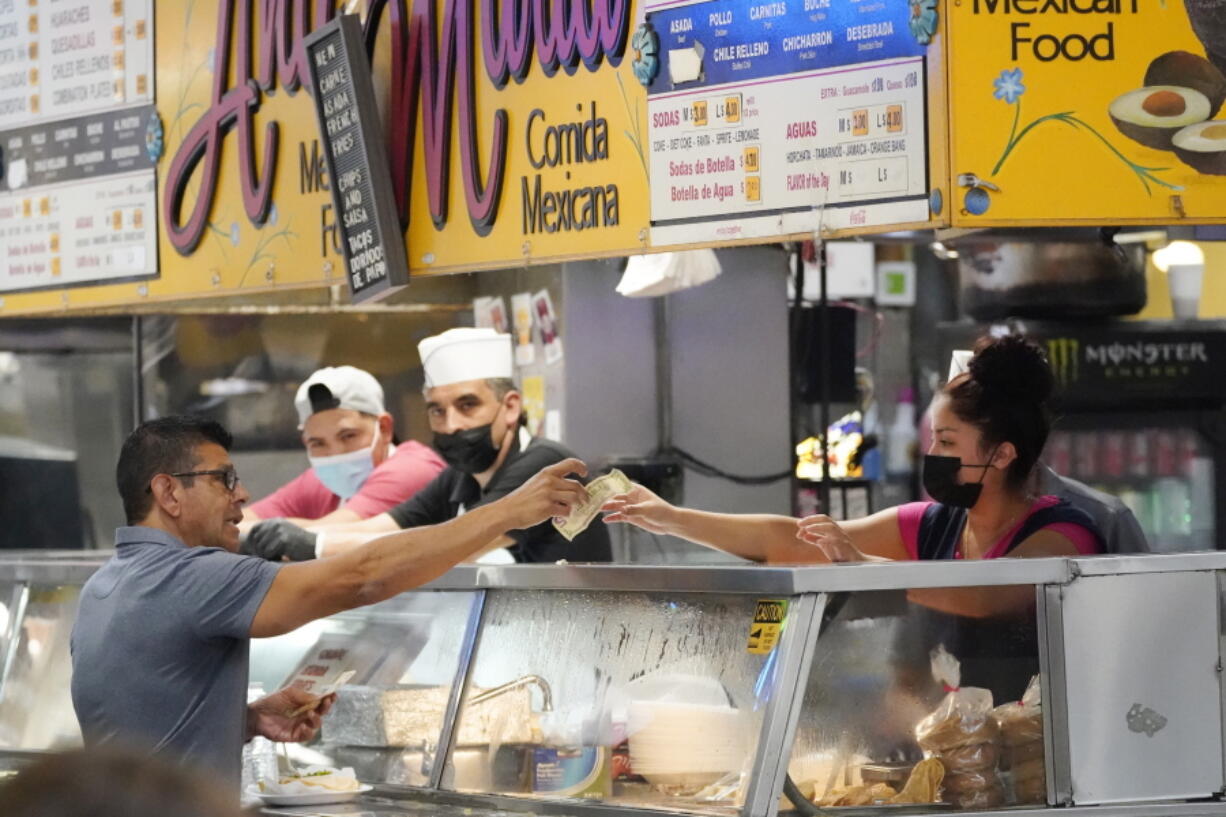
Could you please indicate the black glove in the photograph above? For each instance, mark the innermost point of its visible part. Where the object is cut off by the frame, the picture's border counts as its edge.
(276, 539)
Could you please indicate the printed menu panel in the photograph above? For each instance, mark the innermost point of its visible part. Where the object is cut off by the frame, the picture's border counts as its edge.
(79, 140)
(63, 58)
(771, 118)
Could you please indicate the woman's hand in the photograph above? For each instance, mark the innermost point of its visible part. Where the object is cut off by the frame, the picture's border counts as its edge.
(824, 533)
(639, 507)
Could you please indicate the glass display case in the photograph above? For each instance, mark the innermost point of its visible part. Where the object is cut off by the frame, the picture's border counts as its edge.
(877, 652)
(945, 687)
(36, 615)
(643, 697)
(406, 655)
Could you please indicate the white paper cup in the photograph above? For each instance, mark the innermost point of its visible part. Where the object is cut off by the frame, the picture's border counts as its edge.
(1184, 281)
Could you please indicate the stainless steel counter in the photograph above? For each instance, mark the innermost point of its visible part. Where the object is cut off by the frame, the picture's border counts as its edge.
(833, 668)
(76, 566)
(426, 804)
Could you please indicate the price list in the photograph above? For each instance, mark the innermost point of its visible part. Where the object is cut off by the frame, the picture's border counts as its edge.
(79, 139)
(357, 164)
(61, 58)
(784, 116)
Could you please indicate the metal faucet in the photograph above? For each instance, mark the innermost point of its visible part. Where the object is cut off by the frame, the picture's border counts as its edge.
(536, 680)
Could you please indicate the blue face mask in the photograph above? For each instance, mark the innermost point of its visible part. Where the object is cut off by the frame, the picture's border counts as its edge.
(343, 474)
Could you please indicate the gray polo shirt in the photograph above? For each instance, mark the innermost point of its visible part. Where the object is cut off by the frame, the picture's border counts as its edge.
(160, 650)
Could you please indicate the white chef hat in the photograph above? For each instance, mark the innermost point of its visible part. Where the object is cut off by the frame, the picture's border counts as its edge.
(343, 387)
(464, 354)
(959, 362)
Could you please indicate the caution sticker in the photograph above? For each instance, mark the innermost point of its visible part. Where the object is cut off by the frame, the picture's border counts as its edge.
(768, 618)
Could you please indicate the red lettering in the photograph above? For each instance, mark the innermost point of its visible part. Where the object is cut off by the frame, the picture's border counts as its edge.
(201, 147)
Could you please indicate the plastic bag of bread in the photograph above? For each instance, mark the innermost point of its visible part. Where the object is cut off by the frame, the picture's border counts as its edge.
(970, 758)
(1021, 753)
(1033, 790)
(964, 717)
(967, 782)
(1021, 729)
(1030, 770)
(978, 799)
(1021, 722)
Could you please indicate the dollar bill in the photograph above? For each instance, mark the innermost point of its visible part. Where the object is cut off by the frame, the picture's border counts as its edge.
(599, 491)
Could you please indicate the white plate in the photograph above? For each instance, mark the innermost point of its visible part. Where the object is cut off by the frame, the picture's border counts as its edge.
(313, 799)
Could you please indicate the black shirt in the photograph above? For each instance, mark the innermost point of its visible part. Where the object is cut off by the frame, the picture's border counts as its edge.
(441, 499)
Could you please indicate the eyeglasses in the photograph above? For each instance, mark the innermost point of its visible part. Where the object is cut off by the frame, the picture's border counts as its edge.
(229, 476)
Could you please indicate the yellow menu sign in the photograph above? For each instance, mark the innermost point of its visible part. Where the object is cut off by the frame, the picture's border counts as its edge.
(514, 136)
(1087, 111)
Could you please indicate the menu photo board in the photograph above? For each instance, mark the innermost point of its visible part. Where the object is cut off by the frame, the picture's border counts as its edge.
(773, 117)
(79, 140)
(356, 158)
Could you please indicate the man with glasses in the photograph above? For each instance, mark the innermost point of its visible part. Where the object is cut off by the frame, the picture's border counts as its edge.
(160, 644)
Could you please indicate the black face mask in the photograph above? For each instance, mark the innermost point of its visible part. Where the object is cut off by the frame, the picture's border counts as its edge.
(940, 478)
(471, 450)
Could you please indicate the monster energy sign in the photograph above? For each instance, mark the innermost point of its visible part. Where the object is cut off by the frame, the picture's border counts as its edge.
(1110, 366)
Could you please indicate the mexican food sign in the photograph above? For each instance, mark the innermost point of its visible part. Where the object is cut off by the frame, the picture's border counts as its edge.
(1087, 111)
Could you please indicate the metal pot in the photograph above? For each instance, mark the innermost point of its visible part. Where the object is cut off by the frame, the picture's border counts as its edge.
(1049, 274)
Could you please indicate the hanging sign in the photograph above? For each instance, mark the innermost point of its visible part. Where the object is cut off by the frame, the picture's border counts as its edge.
(78, 141)
(1079, 112)
(356, 159)
(768, 118)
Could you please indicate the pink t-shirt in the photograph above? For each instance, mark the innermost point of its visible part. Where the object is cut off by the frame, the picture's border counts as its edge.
(911, 514)
(409, 469)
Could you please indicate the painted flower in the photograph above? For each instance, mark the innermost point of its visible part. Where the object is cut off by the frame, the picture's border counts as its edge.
(1009, 87)
(646, 45)
(923, 20)
(235, 235)
(155, 142)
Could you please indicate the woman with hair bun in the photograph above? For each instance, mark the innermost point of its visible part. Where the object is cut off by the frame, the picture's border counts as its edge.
(989, 426)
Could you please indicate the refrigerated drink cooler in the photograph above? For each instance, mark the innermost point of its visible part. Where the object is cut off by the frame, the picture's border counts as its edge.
(1140, 414)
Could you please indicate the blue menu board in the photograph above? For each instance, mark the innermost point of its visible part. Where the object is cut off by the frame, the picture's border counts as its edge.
(713, 43)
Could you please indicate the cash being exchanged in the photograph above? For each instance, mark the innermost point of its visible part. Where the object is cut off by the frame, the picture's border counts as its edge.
(599, 491)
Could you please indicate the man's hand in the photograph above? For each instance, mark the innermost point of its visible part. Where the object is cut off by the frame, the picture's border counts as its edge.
(639, 507)
(270, 716)
(277, 539)
(546, 495)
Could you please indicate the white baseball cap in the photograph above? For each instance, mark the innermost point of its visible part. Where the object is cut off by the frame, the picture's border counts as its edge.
(463, 354)
(343, 387)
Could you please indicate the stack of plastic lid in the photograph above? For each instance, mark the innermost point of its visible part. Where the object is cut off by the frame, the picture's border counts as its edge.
(686, 744)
